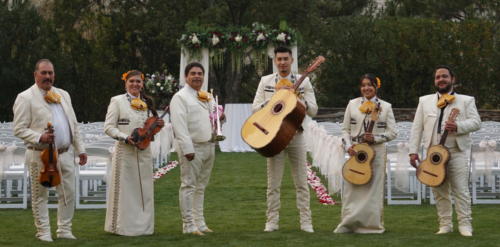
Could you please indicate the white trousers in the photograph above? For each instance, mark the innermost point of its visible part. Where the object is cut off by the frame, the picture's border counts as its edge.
(456, 182)
(40, 194)
(195, 175)
(296, 152)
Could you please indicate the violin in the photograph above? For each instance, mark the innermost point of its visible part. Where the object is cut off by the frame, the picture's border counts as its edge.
(142, 137)
(49, 175)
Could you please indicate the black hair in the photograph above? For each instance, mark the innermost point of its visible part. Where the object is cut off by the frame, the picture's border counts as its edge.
(282, 49)
(192, 65)
(371, 77)
(444, 67)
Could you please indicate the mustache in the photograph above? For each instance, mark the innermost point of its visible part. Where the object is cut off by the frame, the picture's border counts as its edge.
(47, 80)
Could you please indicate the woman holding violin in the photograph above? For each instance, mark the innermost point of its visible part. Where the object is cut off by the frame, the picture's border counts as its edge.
(130, 204)
(368, 123)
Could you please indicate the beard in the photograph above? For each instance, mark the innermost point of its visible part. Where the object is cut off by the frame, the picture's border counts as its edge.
(446, 89)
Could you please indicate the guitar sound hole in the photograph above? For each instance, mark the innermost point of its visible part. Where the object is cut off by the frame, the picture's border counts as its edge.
(436, 158)
(361, 157)
(278, 108)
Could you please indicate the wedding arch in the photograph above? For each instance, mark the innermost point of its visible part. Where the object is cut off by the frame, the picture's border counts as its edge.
(245, 46)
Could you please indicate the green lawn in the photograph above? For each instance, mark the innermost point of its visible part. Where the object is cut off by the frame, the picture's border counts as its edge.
(235, 209)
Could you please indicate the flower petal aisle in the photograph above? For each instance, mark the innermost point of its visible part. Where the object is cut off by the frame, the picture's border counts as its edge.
(165, 169)
(315, 183)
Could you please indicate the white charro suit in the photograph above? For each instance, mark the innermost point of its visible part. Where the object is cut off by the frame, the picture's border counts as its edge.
(130, 205)
(296, 152)
(362, 205)
(193, 132)
(31, 115)
(424, 130)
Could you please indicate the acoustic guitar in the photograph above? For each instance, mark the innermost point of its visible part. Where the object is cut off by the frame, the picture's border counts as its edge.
(271, 129)
(358, 169)
(432, 171)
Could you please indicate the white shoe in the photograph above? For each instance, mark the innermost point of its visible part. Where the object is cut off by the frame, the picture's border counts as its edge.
(45, 238)
(66, 235)
(206, 230)
(271, 227)
(197, 233)
(444, 230)
(307, 228)
(465, 231)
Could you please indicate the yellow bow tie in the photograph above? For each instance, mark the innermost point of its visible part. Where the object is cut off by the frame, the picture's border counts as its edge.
(203, 96)
(138, 104)
(283, 83)
(444, 100)
(367, 107)
(52, 98)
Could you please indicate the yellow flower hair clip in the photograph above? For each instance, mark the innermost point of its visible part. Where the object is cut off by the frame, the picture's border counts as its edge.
(379, 82)
(125, 75)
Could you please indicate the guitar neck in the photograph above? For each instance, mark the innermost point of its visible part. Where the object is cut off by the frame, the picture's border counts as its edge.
(371, 124)
(301, 79)
(443, 137)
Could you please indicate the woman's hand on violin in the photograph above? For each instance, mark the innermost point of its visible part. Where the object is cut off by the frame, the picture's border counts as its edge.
(160, 123)
(47, 138)
(130, 140)
(189, 156)
(83, 159)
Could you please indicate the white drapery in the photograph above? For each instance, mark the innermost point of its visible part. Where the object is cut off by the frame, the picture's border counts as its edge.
(204, 59)
(186, 59)
(236, 114)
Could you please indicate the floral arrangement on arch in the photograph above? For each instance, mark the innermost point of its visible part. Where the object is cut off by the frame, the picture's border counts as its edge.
(162, 86)
(238, 39)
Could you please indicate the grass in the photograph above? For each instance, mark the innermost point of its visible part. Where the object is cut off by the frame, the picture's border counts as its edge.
(235, 205)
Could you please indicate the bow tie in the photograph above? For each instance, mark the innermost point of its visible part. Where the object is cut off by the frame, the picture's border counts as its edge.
(203, 96)
(367, 107)
(444, 100)
(52, 97)
(138, 104)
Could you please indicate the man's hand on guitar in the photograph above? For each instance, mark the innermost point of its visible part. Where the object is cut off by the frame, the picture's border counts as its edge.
(189, 156)
(351, 151)
(413, 160)
(368, 137)
(451, 126)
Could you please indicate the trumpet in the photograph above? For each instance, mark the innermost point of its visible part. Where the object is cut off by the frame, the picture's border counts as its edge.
(215, 120)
